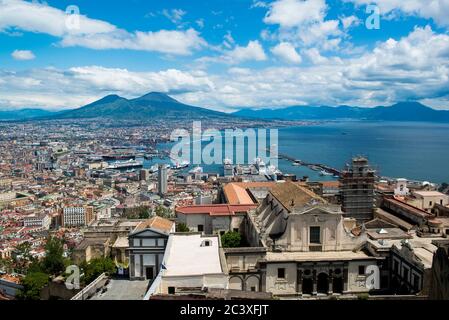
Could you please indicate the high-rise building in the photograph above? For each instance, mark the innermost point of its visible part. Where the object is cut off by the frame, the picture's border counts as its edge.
(162, 179)
(358, 189)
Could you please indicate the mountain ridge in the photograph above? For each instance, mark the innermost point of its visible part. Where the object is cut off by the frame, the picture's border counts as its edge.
(401, 111)
(150, 105)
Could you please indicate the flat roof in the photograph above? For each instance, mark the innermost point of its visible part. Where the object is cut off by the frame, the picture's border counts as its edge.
(425, 193)
(186, 255)
(316, 256)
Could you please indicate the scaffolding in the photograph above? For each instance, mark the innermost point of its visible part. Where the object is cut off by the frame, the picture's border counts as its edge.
(358, 189)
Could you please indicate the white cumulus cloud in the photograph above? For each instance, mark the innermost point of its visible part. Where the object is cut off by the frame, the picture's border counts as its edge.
(79, 30)
(286, 51)
(23, 55)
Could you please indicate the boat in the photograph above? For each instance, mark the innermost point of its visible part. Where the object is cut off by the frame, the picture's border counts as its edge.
(197, 169)
(118, 156)
(325, 173)
(182, 165)
(125, 164)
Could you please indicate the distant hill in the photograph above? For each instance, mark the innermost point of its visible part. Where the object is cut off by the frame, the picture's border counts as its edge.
(403, 111)
(24, 114)
(149, 106)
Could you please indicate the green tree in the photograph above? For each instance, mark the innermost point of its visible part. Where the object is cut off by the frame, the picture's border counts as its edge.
(96, 267)
(54, 262)
(33, 283)
(6, 265)
(163, 212)
(144, 214)
(23, 256)
(182, 227)
(231, 239)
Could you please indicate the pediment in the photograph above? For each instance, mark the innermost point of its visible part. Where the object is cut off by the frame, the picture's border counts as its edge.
(147, 233)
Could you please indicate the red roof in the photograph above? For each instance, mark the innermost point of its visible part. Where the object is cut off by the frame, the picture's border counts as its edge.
(216, 209)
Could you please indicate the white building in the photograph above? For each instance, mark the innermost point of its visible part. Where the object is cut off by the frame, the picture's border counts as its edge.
(191, 261)
(77, 216)
(401, 188)
(37, 220)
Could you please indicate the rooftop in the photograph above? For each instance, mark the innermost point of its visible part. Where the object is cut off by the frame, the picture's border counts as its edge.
(216, 209)
(293, 196)
(424, 193)
(316, 256)
(157, 223)
(183, 252)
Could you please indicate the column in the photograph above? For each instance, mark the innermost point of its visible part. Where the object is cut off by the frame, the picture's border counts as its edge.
(314, 279)
(345, 279)
(299, 283)
(331, 282)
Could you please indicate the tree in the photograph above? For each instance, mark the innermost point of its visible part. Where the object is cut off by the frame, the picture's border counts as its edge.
(182, 227)
(231, 239)
(96, 267)
(23, 256)
(163, 212)
(54, 262)
(144, 214)
(33, 283)
(6, 265)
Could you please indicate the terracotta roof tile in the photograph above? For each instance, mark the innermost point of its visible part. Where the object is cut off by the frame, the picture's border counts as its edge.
(215, 209)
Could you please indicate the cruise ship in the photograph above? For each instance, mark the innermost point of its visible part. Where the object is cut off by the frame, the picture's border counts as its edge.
(126, 164)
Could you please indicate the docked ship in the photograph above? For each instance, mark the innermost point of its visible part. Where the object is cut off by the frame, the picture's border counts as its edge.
(228, 167)
(119, 156)
(130, 164)
(196, 170)
(182, 165)
(325, 173)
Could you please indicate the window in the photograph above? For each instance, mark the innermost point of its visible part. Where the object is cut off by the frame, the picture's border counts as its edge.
(315, 235)
(148, 242)
(415, 282)
(200, 228)
(396, 266)
(281, 273)
(361, 270)
(171, 290)
(253, 289)
(441, 202)
(430, 203)
(206, 243)
(405, 274)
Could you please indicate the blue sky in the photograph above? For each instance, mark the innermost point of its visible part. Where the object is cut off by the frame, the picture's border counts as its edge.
(224, 55)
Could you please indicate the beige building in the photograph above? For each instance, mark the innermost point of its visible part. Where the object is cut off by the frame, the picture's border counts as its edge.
(311, 248)
(426, 200)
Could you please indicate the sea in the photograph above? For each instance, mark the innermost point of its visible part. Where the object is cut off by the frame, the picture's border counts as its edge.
(413, 150)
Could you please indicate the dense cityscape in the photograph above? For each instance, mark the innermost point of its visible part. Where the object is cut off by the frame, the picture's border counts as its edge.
(82, 194)
(224, 159)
